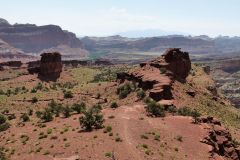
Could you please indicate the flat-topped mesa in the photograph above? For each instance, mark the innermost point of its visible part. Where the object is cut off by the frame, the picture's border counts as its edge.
(51, 65)
(157, 76)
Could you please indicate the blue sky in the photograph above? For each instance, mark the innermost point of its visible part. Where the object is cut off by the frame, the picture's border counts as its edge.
(107, 17)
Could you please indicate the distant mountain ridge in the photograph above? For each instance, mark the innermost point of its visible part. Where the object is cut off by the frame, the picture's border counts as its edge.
(194, 44)
(148, 33)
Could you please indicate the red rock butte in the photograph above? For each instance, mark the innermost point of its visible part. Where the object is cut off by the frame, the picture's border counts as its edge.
(51, 65)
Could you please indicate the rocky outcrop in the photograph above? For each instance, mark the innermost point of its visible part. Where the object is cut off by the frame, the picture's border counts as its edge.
(156, 76)
(50, 65)
(220, 139)
(76, 63)
(175, 61)
(33, 39)
(103, 62)
(12, 64)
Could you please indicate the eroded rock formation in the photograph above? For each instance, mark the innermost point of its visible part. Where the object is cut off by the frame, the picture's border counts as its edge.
(50, 65)
(156, 76)
(12, 64)
(220, 139)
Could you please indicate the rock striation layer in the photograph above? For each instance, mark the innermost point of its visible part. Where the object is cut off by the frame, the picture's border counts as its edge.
(31, 38)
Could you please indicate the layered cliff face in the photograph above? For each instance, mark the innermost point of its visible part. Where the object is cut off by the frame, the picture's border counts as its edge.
(33, 39)
(157, 76)
(8, 52)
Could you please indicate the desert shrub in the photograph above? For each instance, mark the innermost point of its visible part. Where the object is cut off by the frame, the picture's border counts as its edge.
(68, 94)
(124, 90)
(66, 111)
(155, 109)
(38, 114)
(2, 154)
(33, 90)
(98, 96)
(9, 92)
(45, 115)
(4, 125)
(157, 137)
(107, 129)
(97, 107)
(79, 107)
(91, 119)
(49, 131)
(24, 117)
(2, 92)
(148, 100)
(179, 138)
(11, 117)
(39, 86)
(55, 108)
(34, 100)
(30, 112)
(195, 114)
(108, 155)
(141, 94)
(172, 109)
(163, 70)
(3, 119)
(143, 136)
(186, 111)
(114, 105)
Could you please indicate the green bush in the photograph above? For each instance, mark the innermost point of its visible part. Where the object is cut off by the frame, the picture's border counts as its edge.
(186, 111)
(96, 108)
(33, 90)
(107, 129)
(3, 119)
(66, 111)
(38, 114)
(114, 105)
(163, 70)
(55, 108)
(24, 117)
(39, 86)
(34, 100)
(155, 109)
(91, 119)
(79, 107)
(141, 94)
(4, 126)
(2, 154)
(68, 94)
(46, 115)
(124, 90)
